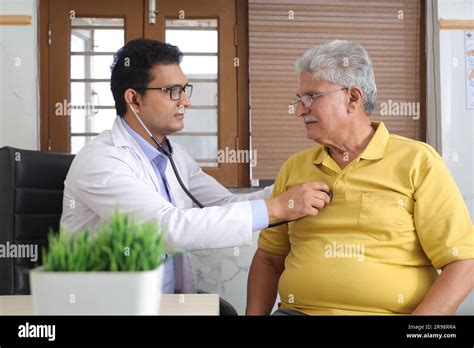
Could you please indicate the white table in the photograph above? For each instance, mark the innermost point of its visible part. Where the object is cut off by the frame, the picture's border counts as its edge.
(187, 304)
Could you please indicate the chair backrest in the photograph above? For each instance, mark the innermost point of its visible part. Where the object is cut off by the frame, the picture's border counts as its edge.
(31, 198)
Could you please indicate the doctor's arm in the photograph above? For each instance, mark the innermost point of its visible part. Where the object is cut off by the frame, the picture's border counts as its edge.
(108, 182)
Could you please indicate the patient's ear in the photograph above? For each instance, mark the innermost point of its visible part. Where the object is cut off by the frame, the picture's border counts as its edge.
(356, 99)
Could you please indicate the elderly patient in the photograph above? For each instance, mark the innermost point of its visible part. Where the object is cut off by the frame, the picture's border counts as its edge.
(396, 214)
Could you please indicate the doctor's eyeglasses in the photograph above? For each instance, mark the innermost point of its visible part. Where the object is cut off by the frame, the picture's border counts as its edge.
(176, 91)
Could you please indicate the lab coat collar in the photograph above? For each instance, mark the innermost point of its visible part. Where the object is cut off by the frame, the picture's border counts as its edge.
(121, 138)
(150, 152)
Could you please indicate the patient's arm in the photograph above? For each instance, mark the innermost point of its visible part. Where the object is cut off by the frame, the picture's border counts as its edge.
(449, 290)
(262, 287)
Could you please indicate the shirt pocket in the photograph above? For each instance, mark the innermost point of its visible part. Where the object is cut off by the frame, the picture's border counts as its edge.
(386, 216)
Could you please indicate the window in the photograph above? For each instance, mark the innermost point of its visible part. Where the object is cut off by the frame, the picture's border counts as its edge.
(93, 44)
(198, 40)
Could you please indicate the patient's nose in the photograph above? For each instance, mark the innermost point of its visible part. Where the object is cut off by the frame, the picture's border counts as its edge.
(301, 110)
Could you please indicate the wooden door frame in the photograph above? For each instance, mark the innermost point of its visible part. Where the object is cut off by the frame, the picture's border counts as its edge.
(243, 87)
(423, 70)
(43, 45)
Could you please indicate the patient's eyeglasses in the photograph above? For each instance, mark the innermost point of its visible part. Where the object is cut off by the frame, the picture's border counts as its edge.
(307, 100)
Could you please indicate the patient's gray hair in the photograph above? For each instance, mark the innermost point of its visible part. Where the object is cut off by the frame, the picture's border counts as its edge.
(342, 63)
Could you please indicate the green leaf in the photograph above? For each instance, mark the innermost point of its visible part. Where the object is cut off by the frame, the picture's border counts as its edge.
(103, 249)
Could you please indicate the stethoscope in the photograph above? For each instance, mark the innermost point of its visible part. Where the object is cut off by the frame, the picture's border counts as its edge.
(169, 154)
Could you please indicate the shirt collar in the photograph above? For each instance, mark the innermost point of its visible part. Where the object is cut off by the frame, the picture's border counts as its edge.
(375, 149)
(321, 154)
(376, 146)
(150, 152)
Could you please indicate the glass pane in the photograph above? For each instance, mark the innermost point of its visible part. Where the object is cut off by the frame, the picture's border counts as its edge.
(78, 67)
(96, 40)
(90, 67)
(78, 41)
(195, 41)
(97, 22)
(108, 40)
(78, 142)
(91, 93)
(79, 91)
(203, 65)
(91, 38)
(204, 93)
(105, 94)
(199, 147)
(91, 121)
(191, 23)
(100, 67)
(198, 76)
(199, 36)
(200, 120)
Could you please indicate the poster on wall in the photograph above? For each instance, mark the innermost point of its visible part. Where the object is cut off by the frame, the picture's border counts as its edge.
(469, 40)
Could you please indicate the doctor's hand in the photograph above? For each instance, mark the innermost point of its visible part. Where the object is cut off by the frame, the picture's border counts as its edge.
(301, 200)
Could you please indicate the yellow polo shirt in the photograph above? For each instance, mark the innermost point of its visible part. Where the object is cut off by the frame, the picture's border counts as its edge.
(395, 216)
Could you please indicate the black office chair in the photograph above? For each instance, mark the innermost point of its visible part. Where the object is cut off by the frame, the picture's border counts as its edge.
(31, 194)
(31, 199)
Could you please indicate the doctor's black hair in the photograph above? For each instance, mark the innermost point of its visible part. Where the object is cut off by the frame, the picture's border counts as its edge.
(132, 64)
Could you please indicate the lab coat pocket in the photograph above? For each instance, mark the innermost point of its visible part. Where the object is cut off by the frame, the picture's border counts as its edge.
(386, 216)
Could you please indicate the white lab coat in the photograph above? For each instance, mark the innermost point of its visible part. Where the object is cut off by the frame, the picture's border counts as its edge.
(113, 172)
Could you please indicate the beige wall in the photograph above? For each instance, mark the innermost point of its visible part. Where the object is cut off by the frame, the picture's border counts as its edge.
(19, 106)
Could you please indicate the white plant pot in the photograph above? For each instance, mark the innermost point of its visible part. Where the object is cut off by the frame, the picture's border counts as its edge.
(96, 293)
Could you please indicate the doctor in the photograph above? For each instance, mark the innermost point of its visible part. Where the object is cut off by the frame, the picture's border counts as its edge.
(123, 168)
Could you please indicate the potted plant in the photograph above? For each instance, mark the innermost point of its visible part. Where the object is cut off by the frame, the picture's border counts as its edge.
(116, 270)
